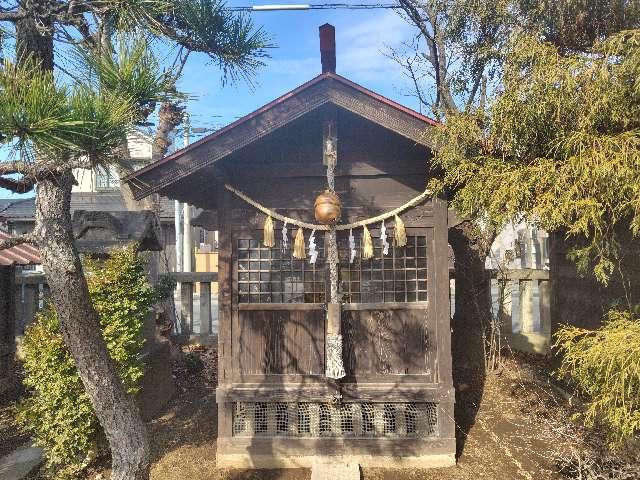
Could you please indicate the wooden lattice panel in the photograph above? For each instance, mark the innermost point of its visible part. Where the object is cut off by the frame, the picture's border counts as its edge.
(360, 420)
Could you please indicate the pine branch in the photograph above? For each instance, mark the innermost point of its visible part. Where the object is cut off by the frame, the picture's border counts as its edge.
(13, 167)
(12, 15)
(22, 185)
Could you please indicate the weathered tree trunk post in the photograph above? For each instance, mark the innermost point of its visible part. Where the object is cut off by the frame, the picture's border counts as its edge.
(80, 327)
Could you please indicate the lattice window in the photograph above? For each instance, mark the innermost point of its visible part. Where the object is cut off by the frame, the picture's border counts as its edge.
(272, 275)
(394, 420)
(399, 276)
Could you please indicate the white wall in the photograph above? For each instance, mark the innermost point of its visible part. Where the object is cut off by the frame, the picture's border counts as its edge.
(526, 246)
(85, 179)
(139, 149)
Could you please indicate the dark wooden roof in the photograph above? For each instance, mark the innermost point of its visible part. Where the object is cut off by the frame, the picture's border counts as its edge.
(110, 201)
(327, 88)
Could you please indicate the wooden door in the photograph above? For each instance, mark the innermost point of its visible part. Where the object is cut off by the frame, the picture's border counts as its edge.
(388, 328)
(278, 311)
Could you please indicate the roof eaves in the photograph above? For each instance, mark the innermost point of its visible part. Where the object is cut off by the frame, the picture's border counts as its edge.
(217, 133)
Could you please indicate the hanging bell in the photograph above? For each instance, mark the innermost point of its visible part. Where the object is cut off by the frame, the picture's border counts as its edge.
(327, 208)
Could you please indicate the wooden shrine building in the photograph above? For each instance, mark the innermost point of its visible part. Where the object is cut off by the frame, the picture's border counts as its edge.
(277, 404)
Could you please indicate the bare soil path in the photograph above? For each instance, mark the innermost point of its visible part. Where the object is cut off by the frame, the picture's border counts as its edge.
(519, 432)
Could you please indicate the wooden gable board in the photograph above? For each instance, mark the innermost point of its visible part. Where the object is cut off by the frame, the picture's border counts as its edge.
(325, 88)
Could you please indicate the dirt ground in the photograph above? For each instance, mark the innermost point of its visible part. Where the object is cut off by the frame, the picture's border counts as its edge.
(520, 431)
(10, 437)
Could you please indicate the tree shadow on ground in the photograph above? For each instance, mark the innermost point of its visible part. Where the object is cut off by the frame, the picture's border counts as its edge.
(471, 318)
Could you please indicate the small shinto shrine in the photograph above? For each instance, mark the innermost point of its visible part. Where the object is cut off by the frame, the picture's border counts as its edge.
(334, 335)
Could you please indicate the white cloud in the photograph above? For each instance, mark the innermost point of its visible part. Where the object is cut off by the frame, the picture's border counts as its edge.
(361, 48)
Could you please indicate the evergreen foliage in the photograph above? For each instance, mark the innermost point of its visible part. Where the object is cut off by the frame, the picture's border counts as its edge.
(58, 413)
(605, 365)
(559, 146)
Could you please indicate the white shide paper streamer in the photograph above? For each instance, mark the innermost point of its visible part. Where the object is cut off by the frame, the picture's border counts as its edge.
(352, 247)
(285, 238)
(383, 238)
(313, 252)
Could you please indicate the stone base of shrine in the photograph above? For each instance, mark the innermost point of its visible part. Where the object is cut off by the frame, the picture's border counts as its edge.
(308, 461)
(391, 456)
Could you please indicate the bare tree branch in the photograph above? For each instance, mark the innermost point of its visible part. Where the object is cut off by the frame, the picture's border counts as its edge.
(436, 51)
(18, 240)
(474, 90)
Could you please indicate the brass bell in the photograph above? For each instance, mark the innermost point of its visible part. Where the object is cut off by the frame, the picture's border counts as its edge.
(327, 208)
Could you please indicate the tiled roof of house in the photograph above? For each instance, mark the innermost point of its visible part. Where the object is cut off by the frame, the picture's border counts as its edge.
(23, 209)
(21, 255)
(19, 209)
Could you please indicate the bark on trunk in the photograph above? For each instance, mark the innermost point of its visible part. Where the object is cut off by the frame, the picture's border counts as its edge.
(472, 318)
(80, 326)
(35, 38)
(169, 117)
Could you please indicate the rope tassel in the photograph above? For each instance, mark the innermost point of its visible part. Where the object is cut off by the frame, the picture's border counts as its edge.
(269, 238)
(367, 243)
(298, 245)
(400, 232)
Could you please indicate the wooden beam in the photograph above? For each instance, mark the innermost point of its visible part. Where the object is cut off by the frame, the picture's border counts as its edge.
(521, 274)
(194, 277)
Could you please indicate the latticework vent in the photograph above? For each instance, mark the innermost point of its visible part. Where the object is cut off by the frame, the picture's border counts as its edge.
(418, 420)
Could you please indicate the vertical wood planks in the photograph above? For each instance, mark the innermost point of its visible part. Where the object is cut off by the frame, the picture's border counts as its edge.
(225, 312)
(440, 295)
(280, 342)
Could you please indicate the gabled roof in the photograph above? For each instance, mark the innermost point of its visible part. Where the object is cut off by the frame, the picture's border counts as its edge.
(325, 88)
(23, 254)
(24, 209)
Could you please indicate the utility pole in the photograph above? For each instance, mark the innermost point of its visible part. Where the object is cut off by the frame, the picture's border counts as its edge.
(186, 251)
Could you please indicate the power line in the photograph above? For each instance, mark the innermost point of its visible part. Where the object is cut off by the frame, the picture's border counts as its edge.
(315, 6)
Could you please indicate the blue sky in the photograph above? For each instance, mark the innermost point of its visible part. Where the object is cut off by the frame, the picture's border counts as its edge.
(362, 38)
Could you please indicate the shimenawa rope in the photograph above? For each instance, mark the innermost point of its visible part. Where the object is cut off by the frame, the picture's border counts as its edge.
(312, 226)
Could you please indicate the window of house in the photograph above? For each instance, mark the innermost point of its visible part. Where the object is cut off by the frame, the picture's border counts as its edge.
(107, 178)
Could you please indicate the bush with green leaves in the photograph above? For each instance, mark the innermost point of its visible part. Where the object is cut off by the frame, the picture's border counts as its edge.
(58, 413)
(605, 366)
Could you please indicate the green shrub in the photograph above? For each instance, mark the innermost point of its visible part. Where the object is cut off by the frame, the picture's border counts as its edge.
(193, 362)
(58, 413)
(605, 365)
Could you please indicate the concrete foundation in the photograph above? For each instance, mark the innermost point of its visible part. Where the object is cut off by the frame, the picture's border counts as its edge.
(274, 461)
